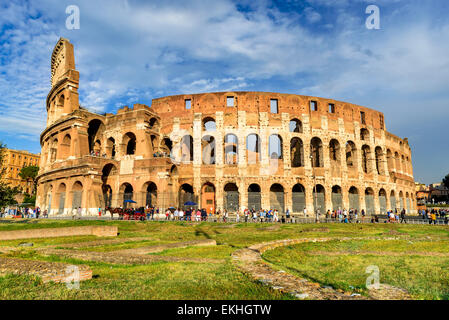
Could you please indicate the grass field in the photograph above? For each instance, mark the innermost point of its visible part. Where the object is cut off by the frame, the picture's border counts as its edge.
(419, 262)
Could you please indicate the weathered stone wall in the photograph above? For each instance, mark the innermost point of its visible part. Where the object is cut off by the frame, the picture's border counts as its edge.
(99, 231)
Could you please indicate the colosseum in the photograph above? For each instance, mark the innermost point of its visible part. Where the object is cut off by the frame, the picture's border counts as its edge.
(224, 150)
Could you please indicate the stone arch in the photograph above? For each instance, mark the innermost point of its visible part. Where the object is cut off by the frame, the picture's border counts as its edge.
(153, 124)
(95, 130)
(364, 134)
(354, 202)
(298, 198)
(209, 124)
(295, 126)
(366, 157)
(401, 200)
(392, 200)
(390, 161)
(65, 147)
(369, 201)
(231, 197)
(54, 150)
(334, 152)
(208, 201)
(316, 152)
(77, 195)
(150, 190)
(231, 149)
(277, 200)
(275, 147)
(186, 194)
(130, 143)
(337, 198)
(319, 198)
(208, 149)
(186, 148)
(127, 192)
(110, 148)
(351, 157)
(379, 161)
(297, 153)
(166, 145)
(254, 197)
(253, 147)
(62, 189)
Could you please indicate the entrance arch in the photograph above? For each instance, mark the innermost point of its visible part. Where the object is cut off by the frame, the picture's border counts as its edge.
(277, 197)
(369, 201)
(231, 199)
(254, 197)
(298, 198)
(337, 198)
(208, 197)
(354, 199)
(151, 194)
(319, 198)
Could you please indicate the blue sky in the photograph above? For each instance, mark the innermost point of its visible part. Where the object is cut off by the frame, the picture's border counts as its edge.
(133, 51)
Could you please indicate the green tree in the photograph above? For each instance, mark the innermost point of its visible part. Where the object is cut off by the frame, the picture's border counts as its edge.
(30, 173)
(446, 181)
(7, 193)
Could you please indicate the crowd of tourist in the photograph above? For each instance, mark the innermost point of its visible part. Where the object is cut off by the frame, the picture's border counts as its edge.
(247, 215)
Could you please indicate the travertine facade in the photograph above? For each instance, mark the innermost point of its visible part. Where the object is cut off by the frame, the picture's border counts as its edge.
(229, 150)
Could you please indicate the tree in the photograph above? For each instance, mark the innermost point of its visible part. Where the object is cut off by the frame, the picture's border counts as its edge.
(7, 193)
(30, 172)
(446, 181)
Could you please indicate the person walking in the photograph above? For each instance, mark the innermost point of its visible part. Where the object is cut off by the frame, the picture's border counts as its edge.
(403, 216)
(78, 213)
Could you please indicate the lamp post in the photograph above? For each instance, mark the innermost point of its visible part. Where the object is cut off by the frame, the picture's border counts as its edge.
(317, 218)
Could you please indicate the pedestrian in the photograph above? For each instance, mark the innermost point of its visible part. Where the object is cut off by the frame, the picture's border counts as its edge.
(403, 216)
(305, 212)
(79, 213)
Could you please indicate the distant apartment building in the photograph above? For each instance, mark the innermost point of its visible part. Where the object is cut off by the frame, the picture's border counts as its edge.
(14, 161)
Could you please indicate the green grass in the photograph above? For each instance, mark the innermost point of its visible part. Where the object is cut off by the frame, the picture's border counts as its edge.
(343, 264)
(195, 280)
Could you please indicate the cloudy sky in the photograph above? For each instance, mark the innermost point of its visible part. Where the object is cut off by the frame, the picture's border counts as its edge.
(132, 51)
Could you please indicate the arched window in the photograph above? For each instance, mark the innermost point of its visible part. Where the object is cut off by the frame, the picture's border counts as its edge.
(364, 134)
(334, 150)
(231, 149)
(296, 153)
(110, 148)
(350, 154)
(379, 160)
(130, 142)
(208, 149)
(65, 147)
(95, 130)
(275, 147)
(253, 148)
(209, 124)
(316, 151)
(187, 148)
(277, 197)
(366, 155)
(295, 126)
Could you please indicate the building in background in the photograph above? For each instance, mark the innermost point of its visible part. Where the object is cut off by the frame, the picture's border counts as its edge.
(14, 161)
